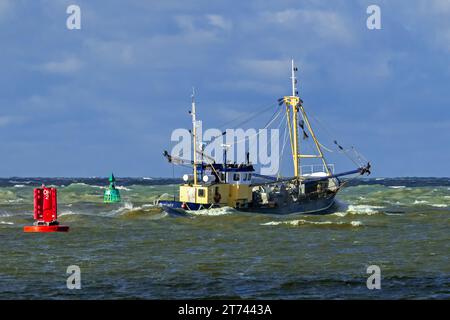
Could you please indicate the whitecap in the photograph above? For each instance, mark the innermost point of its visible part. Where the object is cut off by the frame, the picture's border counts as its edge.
(363, 209)
(397, 187)
(439, 205)
(305, 222)
(213, 212)
(123, 188)
(66, 213)
(6, 222)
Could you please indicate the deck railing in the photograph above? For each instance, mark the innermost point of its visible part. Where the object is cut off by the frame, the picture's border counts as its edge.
(309, 169)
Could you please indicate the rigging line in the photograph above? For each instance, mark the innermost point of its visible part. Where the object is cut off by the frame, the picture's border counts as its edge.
(248, 119)
(254, 116)
(359, 155)
(250, 116)
(326, 148)
(173, 177)
(355, 156)
(259, 131)
(279, 126)
(330, 135)
(282, 150)
(212, 167)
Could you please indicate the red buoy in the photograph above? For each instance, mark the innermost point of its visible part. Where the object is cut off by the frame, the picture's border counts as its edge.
(45, 212)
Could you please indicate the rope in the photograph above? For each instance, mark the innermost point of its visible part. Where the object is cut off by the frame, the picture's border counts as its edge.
(259, 132)
(345, 152)
(247, 119)
(284, 145)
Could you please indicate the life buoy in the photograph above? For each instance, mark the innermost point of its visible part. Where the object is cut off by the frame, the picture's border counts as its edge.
(217, 197)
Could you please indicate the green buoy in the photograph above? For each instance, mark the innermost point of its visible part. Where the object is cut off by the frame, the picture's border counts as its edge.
(112, 194)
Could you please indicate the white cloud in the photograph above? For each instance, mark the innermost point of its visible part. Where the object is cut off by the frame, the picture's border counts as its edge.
(116, 52)
(5, 7)
(202, 28)
(258, 86)
(442, 6)
(219, 21)
(326, 24)
(8, 120)
(266, 67)
(68, 65)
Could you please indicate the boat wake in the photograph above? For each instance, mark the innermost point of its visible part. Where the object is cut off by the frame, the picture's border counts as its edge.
(214, 212)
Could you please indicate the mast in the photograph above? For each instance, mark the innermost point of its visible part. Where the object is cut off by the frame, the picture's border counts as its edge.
(295, 103)
(295, 120)
(194, 135)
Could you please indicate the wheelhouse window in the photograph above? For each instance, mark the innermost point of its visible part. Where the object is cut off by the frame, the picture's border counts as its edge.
(236, 177)
(201, 193)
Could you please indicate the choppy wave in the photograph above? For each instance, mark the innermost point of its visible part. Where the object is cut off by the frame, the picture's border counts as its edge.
(214, 212)
(344, 209)
(439, 205)
(300, 222)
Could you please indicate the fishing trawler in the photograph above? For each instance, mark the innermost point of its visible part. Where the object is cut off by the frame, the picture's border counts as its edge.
(215, 185)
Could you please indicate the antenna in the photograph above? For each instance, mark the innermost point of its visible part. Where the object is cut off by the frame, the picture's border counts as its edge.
(293, 78)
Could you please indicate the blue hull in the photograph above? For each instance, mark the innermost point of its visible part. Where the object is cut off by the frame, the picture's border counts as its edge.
(305, 206)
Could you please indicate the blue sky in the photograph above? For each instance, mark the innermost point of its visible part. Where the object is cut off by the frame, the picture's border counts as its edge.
(107, 97)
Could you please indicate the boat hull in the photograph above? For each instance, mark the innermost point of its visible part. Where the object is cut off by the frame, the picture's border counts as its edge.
(304, 206)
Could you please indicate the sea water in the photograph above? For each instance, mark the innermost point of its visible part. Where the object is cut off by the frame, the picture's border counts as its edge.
(134, 250)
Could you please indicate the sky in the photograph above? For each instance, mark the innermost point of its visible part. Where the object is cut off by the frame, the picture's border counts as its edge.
(83, 103)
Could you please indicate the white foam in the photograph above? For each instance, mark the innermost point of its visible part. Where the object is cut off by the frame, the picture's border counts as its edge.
(363, 209)
(439, 205)
(19, 185)
(397, 187)
(340, 214)
(123, 188)
(79, 184)
(6, 222)
(420, 201)
(66, 213)
(94, 186)
(213, 212)
(304, 222)
(127, 206)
